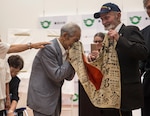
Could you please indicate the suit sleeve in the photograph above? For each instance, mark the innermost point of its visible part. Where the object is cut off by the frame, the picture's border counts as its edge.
(131, 42)
(56, 70)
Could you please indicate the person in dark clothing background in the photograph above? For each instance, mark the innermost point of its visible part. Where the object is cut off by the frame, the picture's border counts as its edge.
(145, 65)
(16, 64)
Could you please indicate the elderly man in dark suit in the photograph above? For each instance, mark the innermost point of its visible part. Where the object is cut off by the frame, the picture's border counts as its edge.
(50, 68)
(130, 49)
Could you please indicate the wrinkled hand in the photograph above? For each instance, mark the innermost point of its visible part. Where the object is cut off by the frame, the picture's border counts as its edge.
(93, 55)
(39, 45)
(113, 34)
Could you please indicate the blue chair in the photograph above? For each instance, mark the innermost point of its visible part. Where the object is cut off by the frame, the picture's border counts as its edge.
(21, 111)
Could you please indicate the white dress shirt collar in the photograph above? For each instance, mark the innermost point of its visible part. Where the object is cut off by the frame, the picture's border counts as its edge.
(118, 27)
(64, 55)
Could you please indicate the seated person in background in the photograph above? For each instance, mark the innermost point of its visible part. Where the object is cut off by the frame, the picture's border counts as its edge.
(98, 39)
(16, 63)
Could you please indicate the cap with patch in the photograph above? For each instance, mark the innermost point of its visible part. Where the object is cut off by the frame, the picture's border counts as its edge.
(107, 8)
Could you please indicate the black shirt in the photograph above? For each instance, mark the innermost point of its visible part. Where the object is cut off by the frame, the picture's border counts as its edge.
(13, 88)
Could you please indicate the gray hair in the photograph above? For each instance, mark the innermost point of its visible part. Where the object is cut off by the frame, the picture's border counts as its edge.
(70, 28)
(145, 2)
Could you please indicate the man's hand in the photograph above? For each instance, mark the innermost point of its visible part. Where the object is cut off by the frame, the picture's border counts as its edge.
(22, 47)
(93, 55)
(38, 45)
(113, 34)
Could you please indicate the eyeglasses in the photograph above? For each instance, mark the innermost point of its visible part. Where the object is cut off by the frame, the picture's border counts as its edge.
(98, 41)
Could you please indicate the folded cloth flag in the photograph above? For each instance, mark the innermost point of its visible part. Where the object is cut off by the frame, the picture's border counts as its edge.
(101, 77)
(94, 74)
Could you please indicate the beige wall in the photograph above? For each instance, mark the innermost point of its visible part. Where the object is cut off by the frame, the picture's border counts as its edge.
(25, 13)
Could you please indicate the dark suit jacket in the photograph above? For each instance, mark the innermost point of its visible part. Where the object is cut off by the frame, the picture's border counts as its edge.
(145, 64)
(47, 77)
(130, 49)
